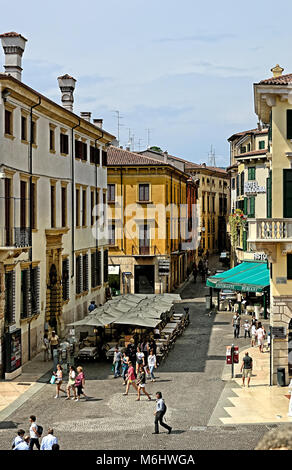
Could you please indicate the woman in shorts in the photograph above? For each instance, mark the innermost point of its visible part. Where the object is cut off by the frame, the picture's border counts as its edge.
(59, 380)
(71, 383)
(131, 379)
(142, 383)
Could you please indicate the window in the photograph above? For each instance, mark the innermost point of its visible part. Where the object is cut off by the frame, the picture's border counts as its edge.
(23, 128)
(23, 204)
(144, 240)
(242, 183)
(143, 192)
(111, 234)
(287, 193)
(80, 150)
(53, 206)
(203, 202)
(289, 266)
(64, 144)
(248, 147)
(237, 185)
(96, 269)
(251, 212)
(64, 206)
(84, 208)
(24, 296)
(111, 196)
(289, 123)
(8, 122)
(242, 149)
(78, 286)
(91, 207)
(77, 208)
(65, 280)
(104, 158)
(269, 195)
(261, 145)
(9, 312)
(34, 206)
(85, 272)
(94, 155)
(251, 173)
(33, 132)
(35, 290)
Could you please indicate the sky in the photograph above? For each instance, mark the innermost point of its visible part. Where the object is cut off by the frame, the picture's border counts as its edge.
(182, 69)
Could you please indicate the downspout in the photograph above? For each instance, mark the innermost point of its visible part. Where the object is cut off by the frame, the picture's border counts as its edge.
(30, 218)
(100, 162)
(72, 198)
(122, 210)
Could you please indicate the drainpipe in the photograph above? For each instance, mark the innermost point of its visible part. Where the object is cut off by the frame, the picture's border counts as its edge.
(30, 217)
(122, 209)
(72, 198)
(100, 162)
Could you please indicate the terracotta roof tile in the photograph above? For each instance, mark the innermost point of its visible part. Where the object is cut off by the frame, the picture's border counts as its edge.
(281, 80)
(252, 152)
(117, 156)
(12, 34)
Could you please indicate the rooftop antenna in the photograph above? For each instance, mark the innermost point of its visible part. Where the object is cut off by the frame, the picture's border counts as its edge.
(119, 117)
(148, 136)
(139, 144)
(211, 157)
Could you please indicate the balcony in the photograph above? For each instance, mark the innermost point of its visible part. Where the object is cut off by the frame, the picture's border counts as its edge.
(14, 237)
(270, 230)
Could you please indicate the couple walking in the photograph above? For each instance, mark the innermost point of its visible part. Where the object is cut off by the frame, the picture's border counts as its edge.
(141, 384)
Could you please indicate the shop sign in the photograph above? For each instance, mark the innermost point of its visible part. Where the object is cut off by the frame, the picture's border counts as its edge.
(13, 350)
(278, 332)
(164, 267)
(252, 187)
(281, 280)
(260, 257)
(113, 269)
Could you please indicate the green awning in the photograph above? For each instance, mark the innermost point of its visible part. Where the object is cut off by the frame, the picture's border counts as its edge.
(246, 277)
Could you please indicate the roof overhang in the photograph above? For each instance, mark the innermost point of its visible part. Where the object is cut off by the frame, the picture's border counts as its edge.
(265, 97)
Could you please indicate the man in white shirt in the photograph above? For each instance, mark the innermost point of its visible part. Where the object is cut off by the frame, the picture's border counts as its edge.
(33, 433)
(159, 413)
(49, 440)
(23, 444)
(18, 438)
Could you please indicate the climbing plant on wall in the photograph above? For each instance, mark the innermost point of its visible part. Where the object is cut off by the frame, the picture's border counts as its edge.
(237, 220)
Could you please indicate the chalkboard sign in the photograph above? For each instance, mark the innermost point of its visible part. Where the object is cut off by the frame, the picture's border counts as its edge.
(278, 332)
(13, 350)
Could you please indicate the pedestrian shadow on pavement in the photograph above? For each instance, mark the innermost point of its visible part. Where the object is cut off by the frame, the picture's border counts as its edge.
(8, 425)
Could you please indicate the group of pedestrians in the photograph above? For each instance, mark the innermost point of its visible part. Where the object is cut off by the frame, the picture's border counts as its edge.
(253, 330)
(202, 268)
(136, 364)
(75, 384)
(27, 441)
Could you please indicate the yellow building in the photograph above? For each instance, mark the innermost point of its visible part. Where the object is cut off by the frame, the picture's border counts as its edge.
(146, 242)
(272, 233)
(250, 187)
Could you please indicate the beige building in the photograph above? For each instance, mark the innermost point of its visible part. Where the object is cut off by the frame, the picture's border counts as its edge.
(52, 173)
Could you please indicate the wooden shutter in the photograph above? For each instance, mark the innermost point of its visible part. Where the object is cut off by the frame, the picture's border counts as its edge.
(10, 297)
(98, 271)
(78, 287)
(289, 266)
(85, 272)
(35, 290)
(244, 240)
(104, 158)
(237, 185)
(251, 207)
(93, 270)
(269, 195)
(242, 182)
(8, 116)
(245, 206)
(289, 123)
(105, 266)
(287, 193)
(65, 279)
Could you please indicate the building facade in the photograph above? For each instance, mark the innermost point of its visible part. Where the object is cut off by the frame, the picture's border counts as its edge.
(53, 173)
(250, 189)
(272, 232)
(148, 223)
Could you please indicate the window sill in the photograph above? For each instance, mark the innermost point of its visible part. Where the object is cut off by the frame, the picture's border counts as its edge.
(65, 302)
(52, 151)
(64, 154)
(9, 136)
(93, 289)
(24, 142)
(144, 202)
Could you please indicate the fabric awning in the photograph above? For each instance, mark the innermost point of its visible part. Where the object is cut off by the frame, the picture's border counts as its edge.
(246, 277)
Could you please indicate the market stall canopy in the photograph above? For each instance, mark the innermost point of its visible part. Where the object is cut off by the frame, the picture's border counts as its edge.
(131, 309)
(246, 277)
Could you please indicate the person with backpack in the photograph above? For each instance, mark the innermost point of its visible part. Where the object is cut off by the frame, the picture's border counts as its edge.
(159, 414)
(35, 432)
(18, 438)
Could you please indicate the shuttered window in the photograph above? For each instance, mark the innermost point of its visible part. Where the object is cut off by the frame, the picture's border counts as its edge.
(261, 145)
(111, 196)
(8, 122)
(244, 240)
(78, 287)
(251, 213)
(98, 268)
(111, 234)
(65, 280)
(245, 206)
(105, 266)
(84, 212)
(289, 123)
(269, 195)
(237, 185)
(251, 173)
(23, 128)
(242, 182)
(287, 193)
(9, 311)
(85, 273)
(25, 294)
(104, 158)
(64, 206)
(35, 290)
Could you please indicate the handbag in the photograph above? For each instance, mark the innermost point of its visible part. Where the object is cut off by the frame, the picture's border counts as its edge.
(53, 379)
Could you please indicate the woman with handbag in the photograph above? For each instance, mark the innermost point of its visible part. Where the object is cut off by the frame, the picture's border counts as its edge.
(59, 380)
(71, 383)
(79, 383)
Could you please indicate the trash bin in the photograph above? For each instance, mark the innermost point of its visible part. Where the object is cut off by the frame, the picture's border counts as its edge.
(281, 376)
(208, 302)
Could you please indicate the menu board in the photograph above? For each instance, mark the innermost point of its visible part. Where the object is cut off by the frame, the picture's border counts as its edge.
(13, 350)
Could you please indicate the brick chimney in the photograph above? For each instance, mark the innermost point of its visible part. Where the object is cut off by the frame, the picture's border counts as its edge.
(98, 123)
(13, 45)
(67, 87)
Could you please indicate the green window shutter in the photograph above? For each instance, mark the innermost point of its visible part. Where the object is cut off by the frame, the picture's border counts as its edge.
(251, 207)
(251, 173)
(245, 206)
(287, 193)
(269, 195)
(242, 182)
(261, 145)
(289, 123)
(237, 185)
(289, 266)
(244, 240)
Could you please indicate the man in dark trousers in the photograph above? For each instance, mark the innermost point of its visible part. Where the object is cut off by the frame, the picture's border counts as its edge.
(159, 414)
(246, 369)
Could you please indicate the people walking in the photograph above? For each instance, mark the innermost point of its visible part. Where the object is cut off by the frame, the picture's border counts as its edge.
(125, 367)
(246, 369)
(46, 347)
(24, 444)
(71, 383)
(49, 440)
(117, 362)
(92, 306)
(159, 414)
(246, 329)
(152, 364)
(142, 383)
(18, 438)
(33, 433)
(139, 359)
(54, 343)
(260, 333)
(236, 323)
(131, 378)
(59, 380)
(253, 334)
(80, 383)
(195, 272)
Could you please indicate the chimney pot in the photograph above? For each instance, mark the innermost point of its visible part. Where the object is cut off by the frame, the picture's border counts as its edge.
(13, 45)
(277, 71)
(67, 87)
(98, 123)
(86, 115)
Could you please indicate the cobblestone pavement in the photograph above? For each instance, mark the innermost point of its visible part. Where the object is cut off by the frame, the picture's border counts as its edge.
(190, 381)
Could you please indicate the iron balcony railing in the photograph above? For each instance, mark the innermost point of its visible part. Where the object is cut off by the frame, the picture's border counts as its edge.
(17, 237)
